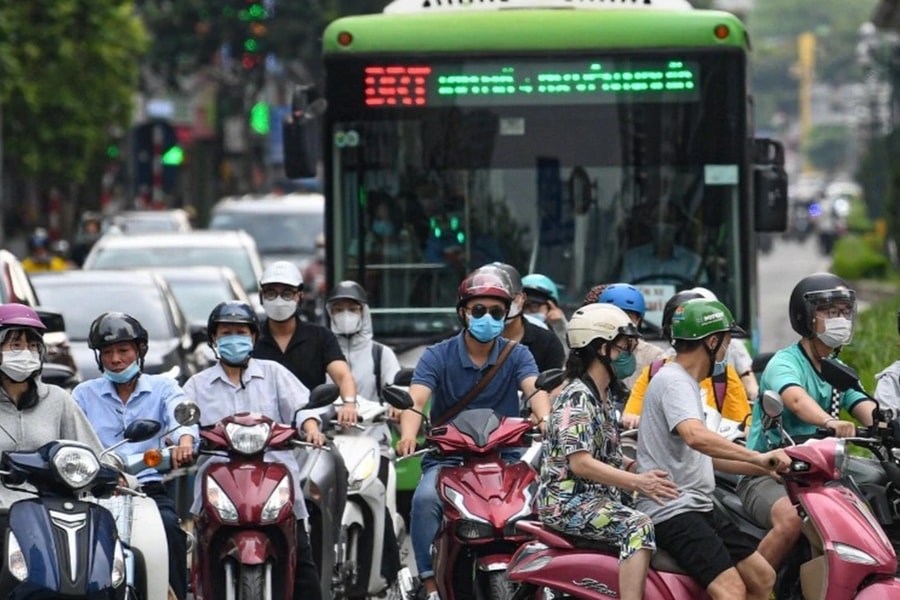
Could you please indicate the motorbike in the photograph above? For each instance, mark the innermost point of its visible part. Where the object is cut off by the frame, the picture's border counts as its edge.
(146, 547)
(483, 497)
(370, 519)
(246, 530)
(62, 543)
(847, 554)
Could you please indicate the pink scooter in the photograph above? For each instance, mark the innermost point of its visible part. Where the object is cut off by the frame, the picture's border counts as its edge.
(850, 556)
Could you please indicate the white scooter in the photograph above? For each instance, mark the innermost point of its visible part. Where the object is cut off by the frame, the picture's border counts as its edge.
(371, 505)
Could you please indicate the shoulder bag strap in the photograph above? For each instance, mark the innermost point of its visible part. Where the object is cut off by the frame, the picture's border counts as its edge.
(462, 404)
(377, 350)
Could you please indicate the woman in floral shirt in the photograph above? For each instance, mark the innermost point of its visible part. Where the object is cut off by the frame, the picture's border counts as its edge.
(582, 476)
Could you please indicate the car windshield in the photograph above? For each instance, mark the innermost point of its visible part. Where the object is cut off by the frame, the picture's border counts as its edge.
(287, 231)
(81, 304)
(171, 256)
(159, 224)
(198, 296)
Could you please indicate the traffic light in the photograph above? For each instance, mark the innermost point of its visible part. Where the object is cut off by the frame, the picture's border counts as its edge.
(252, 15)
(155, 142)
(259, 118)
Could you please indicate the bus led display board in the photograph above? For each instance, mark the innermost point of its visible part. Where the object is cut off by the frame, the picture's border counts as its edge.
(530, 82)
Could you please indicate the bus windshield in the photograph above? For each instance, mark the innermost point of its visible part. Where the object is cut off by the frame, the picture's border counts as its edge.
(514, 161)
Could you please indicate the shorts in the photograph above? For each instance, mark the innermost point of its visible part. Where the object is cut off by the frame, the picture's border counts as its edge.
(704, 544)
(758, 494)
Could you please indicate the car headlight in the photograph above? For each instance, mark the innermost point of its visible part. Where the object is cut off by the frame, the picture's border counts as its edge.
(77, 467)
(363, 470)
(280, 496)
(15, 558)
(248, 439)
(118, 566)
(220, 501)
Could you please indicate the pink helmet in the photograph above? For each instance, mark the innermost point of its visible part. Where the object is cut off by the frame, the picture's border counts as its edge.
(18, 315)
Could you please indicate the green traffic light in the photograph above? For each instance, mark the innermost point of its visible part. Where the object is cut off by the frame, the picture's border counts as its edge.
(173, 157)
(259, 118)
(251, 45)
(112, 151)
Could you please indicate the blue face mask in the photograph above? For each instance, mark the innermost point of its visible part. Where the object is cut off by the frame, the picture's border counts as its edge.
(234, 349)
(485, 328)
(719, 368)
(382, 228)
(123, 376)
(624, 365)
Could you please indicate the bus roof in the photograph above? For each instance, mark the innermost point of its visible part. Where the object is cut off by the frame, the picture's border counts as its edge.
(417, 6)
(532, 30)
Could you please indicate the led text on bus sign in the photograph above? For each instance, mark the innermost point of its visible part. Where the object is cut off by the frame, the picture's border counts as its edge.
(479, 83)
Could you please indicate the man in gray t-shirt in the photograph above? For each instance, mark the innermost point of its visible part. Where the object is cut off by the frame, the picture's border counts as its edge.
(672, 436)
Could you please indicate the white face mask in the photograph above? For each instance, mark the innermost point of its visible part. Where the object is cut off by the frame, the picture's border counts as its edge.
(280, 309)
(20, 364)
(346, 322)
(838, 332)
(515, 309)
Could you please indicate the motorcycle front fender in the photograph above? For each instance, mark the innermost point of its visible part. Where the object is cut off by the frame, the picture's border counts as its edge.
(248, 547)
(886, 588)
(493, 562)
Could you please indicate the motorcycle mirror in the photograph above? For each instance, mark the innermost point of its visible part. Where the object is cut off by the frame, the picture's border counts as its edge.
(187, 413)
(841, 376)
(142, 430)
(550, 379)
(397, 398)
(760, 361)
(403, 377)
(772, 404)
(323, 395)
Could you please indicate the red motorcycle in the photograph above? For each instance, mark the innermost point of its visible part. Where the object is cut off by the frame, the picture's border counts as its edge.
(483, 497)
(246, 530)
(848, 555)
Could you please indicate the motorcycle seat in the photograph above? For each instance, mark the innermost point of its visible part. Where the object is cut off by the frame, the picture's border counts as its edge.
(662, 561)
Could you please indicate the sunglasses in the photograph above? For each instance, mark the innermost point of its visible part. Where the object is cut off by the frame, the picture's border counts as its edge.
(479, 310)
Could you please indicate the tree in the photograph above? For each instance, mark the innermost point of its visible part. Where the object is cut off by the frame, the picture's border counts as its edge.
(69, 70)
(826, 148)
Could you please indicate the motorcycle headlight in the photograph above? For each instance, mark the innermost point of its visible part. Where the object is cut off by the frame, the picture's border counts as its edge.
(220, 501)
(77, 467)
(15, 558)
(280, 496)
(467, 529)
(248, 439)
(118, 566)
(363, 470)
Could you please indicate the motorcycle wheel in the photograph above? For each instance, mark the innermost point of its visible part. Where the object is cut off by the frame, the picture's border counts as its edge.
(351, 579)
(253, 584)
(499, 587)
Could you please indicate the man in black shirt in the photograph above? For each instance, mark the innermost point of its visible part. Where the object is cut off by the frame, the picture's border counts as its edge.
(545, 346)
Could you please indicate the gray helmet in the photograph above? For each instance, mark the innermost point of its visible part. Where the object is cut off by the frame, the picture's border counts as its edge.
(348, 290)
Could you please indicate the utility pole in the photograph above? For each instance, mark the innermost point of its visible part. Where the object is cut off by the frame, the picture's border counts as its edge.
(806, 53)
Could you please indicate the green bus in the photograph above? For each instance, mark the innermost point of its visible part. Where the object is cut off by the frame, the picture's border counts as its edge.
(591, 141)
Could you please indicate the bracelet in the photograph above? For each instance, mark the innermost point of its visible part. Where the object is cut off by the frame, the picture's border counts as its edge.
(348, 400)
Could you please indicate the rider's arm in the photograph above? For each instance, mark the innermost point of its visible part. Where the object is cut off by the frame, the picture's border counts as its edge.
(635, 401)
(862, 411)
(697, 436)
(586, 466)
(410, 421)
(540, 402)
(339, 371)
(802, 404)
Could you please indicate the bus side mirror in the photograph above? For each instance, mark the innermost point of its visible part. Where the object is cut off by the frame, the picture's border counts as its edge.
(302, 134)
(770, 184)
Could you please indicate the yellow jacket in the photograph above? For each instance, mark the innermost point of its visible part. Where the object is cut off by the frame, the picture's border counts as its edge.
(55, 264)
(734, 408)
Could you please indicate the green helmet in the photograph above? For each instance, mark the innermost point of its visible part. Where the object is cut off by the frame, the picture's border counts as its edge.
(699, 318)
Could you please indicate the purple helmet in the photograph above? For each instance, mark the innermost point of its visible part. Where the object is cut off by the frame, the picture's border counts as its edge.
(18, 315)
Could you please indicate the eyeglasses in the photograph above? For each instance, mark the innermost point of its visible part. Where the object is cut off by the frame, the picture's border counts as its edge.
(274, 294)
(833, 312)
(630, 345)
(479, 310)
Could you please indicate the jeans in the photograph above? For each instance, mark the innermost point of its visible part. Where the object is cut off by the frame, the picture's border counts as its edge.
(425, 518)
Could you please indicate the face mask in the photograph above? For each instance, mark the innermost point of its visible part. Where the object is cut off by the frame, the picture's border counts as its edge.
(123, 376)
(719, 367)
(320, 254)
(538, 316)
(383, 228)
(624, 365)
(838, 332)
(485, 328)
(514, 311)
(234, 349)
(20, 364)
(280, 309)
(346, 322)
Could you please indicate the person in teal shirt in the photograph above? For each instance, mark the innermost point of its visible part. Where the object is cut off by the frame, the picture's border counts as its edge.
(822, 311)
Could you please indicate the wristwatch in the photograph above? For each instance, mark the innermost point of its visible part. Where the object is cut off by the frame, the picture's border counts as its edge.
(348, 400)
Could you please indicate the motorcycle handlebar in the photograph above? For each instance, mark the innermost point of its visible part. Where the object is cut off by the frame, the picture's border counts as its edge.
(337, 423)
(417, 452)
(300, 444)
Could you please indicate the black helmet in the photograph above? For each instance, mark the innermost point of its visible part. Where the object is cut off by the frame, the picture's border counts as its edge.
(231, 311)
(674, 302)
(811, 291)
(348, 290)
(114, 327)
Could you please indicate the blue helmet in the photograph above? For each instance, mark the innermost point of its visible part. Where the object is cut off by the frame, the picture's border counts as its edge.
(626, 297)
(541, 284)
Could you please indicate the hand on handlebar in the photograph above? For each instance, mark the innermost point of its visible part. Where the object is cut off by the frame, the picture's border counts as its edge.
(406, 446)
(842, 429)
(315, 437)
(775, 462)
(181, 455)
(347, 415)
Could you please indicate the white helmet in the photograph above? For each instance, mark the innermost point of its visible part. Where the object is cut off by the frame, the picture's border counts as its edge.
(284, 272)
(604, 321)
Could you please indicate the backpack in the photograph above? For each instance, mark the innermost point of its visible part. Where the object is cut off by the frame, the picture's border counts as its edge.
(720, 382)
(377, 351)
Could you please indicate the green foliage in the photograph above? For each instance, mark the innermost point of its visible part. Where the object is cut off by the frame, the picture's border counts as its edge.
(857, 220)
(826, 148)
(875, 342)
(859, 257)
(70, 68)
